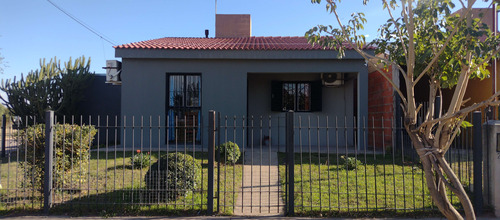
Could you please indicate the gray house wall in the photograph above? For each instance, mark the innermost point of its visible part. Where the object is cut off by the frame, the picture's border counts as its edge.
(337, 104)
(224, 79)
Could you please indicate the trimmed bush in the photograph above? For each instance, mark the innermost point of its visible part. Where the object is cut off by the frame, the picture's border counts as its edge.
(140, 160)
(71, 149)
(229, 152)
(350, 163)
(172, 176)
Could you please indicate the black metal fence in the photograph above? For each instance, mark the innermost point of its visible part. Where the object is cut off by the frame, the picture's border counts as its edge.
(121, 175)
(381, 176)
(293, 163)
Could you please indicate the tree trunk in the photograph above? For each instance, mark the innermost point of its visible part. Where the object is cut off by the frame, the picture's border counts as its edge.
(434, 164)
(458, 188)
(436, 190)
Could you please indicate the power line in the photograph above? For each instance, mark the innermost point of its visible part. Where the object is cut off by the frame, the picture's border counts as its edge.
(102, 36)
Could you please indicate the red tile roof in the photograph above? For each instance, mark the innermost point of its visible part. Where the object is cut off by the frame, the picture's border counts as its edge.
(244, 43)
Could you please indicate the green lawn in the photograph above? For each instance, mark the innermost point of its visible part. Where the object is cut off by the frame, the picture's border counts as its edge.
(112, 187)
(381, 184)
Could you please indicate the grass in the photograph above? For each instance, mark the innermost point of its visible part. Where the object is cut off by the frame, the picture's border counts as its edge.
(382, 185)
(112, 187)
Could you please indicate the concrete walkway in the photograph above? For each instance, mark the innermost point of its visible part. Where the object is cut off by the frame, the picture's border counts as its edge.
(260, 194)
(211, 218)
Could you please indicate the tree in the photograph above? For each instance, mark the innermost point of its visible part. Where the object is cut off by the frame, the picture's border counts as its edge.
(4, 110)
(448, 48)
(50, 87)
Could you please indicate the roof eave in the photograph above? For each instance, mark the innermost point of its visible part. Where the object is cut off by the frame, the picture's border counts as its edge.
(233, 54)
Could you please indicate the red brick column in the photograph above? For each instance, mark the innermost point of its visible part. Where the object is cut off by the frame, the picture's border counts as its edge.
(380, 106)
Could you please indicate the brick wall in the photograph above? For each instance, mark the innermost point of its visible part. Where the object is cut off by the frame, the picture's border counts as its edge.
(380, 107)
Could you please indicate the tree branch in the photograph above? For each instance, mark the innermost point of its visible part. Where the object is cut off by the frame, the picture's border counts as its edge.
(489, 102)
(460, 192)
(365, 56)
(411, 40)
(400, 34)
(450, 140)
(488, 59)
(436, 57)
(436, 167)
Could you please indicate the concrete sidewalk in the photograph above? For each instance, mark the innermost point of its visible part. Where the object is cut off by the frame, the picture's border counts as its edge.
(213, 217)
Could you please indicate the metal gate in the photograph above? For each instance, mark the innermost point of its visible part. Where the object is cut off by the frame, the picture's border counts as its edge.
(254, 182)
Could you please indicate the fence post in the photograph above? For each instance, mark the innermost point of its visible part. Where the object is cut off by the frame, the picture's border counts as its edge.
(4, 129)
(437, 107)
(217, 159)
(49, 157)
(477, 161)
(491, 165)
(290, 162)
(211, 154)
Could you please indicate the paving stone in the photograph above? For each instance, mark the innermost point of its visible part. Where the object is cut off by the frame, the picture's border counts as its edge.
(260, 194)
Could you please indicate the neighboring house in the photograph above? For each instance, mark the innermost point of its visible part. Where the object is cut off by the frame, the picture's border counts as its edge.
(239, 75)
(480, 90)
(477, 90)
(101, 106)
(384, 102)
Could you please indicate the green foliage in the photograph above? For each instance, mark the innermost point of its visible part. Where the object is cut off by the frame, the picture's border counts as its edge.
(71, 150)
(433, 25)
(229, 152)
(336, 38)
(350, 163)
(140, 160)
(50, 87)
(4, 110)
(466, 124)
(172, 176)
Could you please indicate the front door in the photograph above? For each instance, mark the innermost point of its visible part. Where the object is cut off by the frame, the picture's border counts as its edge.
(184, 106)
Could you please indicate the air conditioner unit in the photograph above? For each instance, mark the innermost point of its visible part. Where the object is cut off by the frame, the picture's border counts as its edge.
(113, 71)
(332, 79)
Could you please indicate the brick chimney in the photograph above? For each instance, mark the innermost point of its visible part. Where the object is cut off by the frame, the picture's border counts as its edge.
(233, 25)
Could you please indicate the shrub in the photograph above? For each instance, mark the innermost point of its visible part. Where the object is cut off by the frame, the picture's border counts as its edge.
(350, 163)
(229, 151)
(71, 149)
(172, 176)
(140, 160)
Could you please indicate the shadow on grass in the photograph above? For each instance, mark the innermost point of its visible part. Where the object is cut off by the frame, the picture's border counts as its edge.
(370, 214)
(334, 159)
(120, 167)
(5, 213)
(126, 203)
(20, 205)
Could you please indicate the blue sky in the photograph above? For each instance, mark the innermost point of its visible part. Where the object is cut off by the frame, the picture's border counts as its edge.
(34, 29)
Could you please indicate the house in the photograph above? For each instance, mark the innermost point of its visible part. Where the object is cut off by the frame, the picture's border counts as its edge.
(242, 76)
(101, 107)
